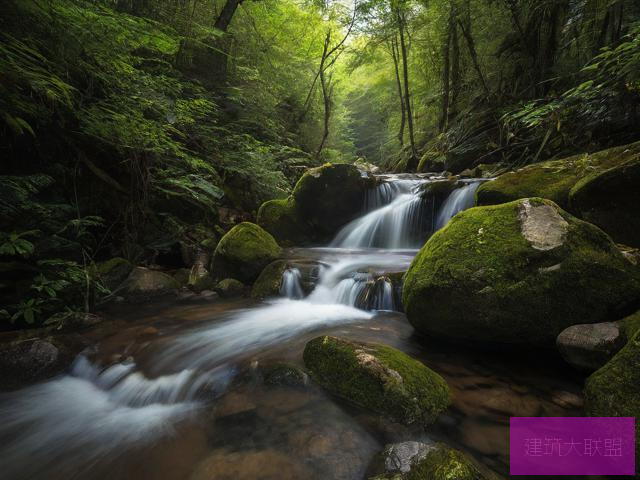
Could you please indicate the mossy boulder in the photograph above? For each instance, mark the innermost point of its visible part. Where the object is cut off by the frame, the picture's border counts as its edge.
(553, 179)
(284, 375)
(243, 252)
(270, 280)
(146, 283)
(111, 273)
(631, 325)
(378, 378)
(610, 199)
(614, 390)
(229, 288)
(420, 461)
(517, 273)
(280, 218)
(329, 196)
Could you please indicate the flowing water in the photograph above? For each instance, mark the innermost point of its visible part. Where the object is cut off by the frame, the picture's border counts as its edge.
(178, 392)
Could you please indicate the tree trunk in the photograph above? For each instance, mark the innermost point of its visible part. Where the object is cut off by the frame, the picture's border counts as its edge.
(326, 100)
(412, 163)
(446, 70)
(466, 31)
(221, 55)
(395, 54)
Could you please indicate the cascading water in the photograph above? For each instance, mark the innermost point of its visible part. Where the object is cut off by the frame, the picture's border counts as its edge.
(291, 286)
(96, 412)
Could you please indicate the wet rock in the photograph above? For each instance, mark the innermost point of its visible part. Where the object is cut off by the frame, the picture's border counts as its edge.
(423, 461)
(280, 218)
(229, 288)
(146, 283)
(566, 400)
(269, 282)
(26, 361)
(202, 283)
(378, 378)
(517, 273)
(243, 253)
(284, 374)
(589, 347)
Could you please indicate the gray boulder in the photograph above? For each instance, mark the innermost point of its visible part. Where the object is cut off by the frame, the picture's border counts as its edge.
(589, 347)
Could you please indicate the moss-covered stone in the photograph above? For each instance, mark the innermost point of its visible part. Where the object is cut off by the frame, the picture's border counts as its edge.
(280, 219)
(631, 325)
(284, 375)
(329, 196)
(269, 282)
(113, 272)
(614, 390)
(553, 179)
(517, 273)
(229, 288)
(243, 252)
(146, 283)
(379, 378)
(610, 199)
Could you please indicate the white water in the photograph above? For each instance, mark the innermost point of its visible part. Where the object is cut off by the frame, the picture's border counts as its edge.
(459, 200)
(291, 286)
(93, 414)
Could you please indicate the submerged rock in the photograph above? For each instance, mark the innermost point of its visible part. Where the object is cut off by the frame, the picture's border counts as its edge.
(517, 273)
(270, 280)
(284, 375)
(243, 252)
(379, 378)
(229, 288)
(610, 199)
(143, 282)
(422, 461)
(589, 347)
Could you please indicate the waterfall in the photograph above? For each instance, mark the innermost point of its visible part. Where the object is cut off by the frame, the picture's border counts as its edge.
(459, 200)
(291, 286)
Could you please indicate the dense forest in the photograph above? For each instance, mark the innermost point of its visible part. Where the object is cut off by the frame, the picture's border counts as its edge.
(174, 151)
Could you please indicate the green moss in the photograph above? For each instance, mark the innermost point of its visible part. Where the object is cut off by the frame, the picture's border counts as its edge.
(444, 463)
(229, 287)
(269, 282)
(631, 325)
(553, 179)
(379, 378)
(243, 252)
(329, 196)
(280, 219)
(113, 272)
(614, 390)
(480, 279)
(610, 200)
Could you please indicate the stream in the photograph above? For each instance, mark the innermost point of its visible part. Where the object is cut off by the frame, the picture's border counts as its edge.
(177, 392)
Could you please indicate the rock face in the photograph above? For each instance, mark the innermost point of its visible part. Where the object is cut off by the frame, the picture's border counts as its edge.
(379, 378)
(324, 199)
(589, 347)
(517, 273)
(614, 390)
(143, 282)
(229, 288)
(269, 282)
(553, 179)
(243, 252)
(610, 199)
(422, 461)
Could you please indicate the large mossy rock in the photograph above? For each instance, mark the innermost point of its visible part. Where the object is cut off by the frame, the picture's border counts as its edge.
(553, 179)
(280, 218)
(378, 378)
(517, 273)
(422, 461)
(614, 390)
(243, 252)
(329, 196)
(146, 283)
(270, 280)
(611, 199)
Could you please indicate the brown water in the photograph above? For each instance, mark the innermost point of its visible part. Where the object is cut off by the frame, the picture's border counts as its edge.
(254, 431)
